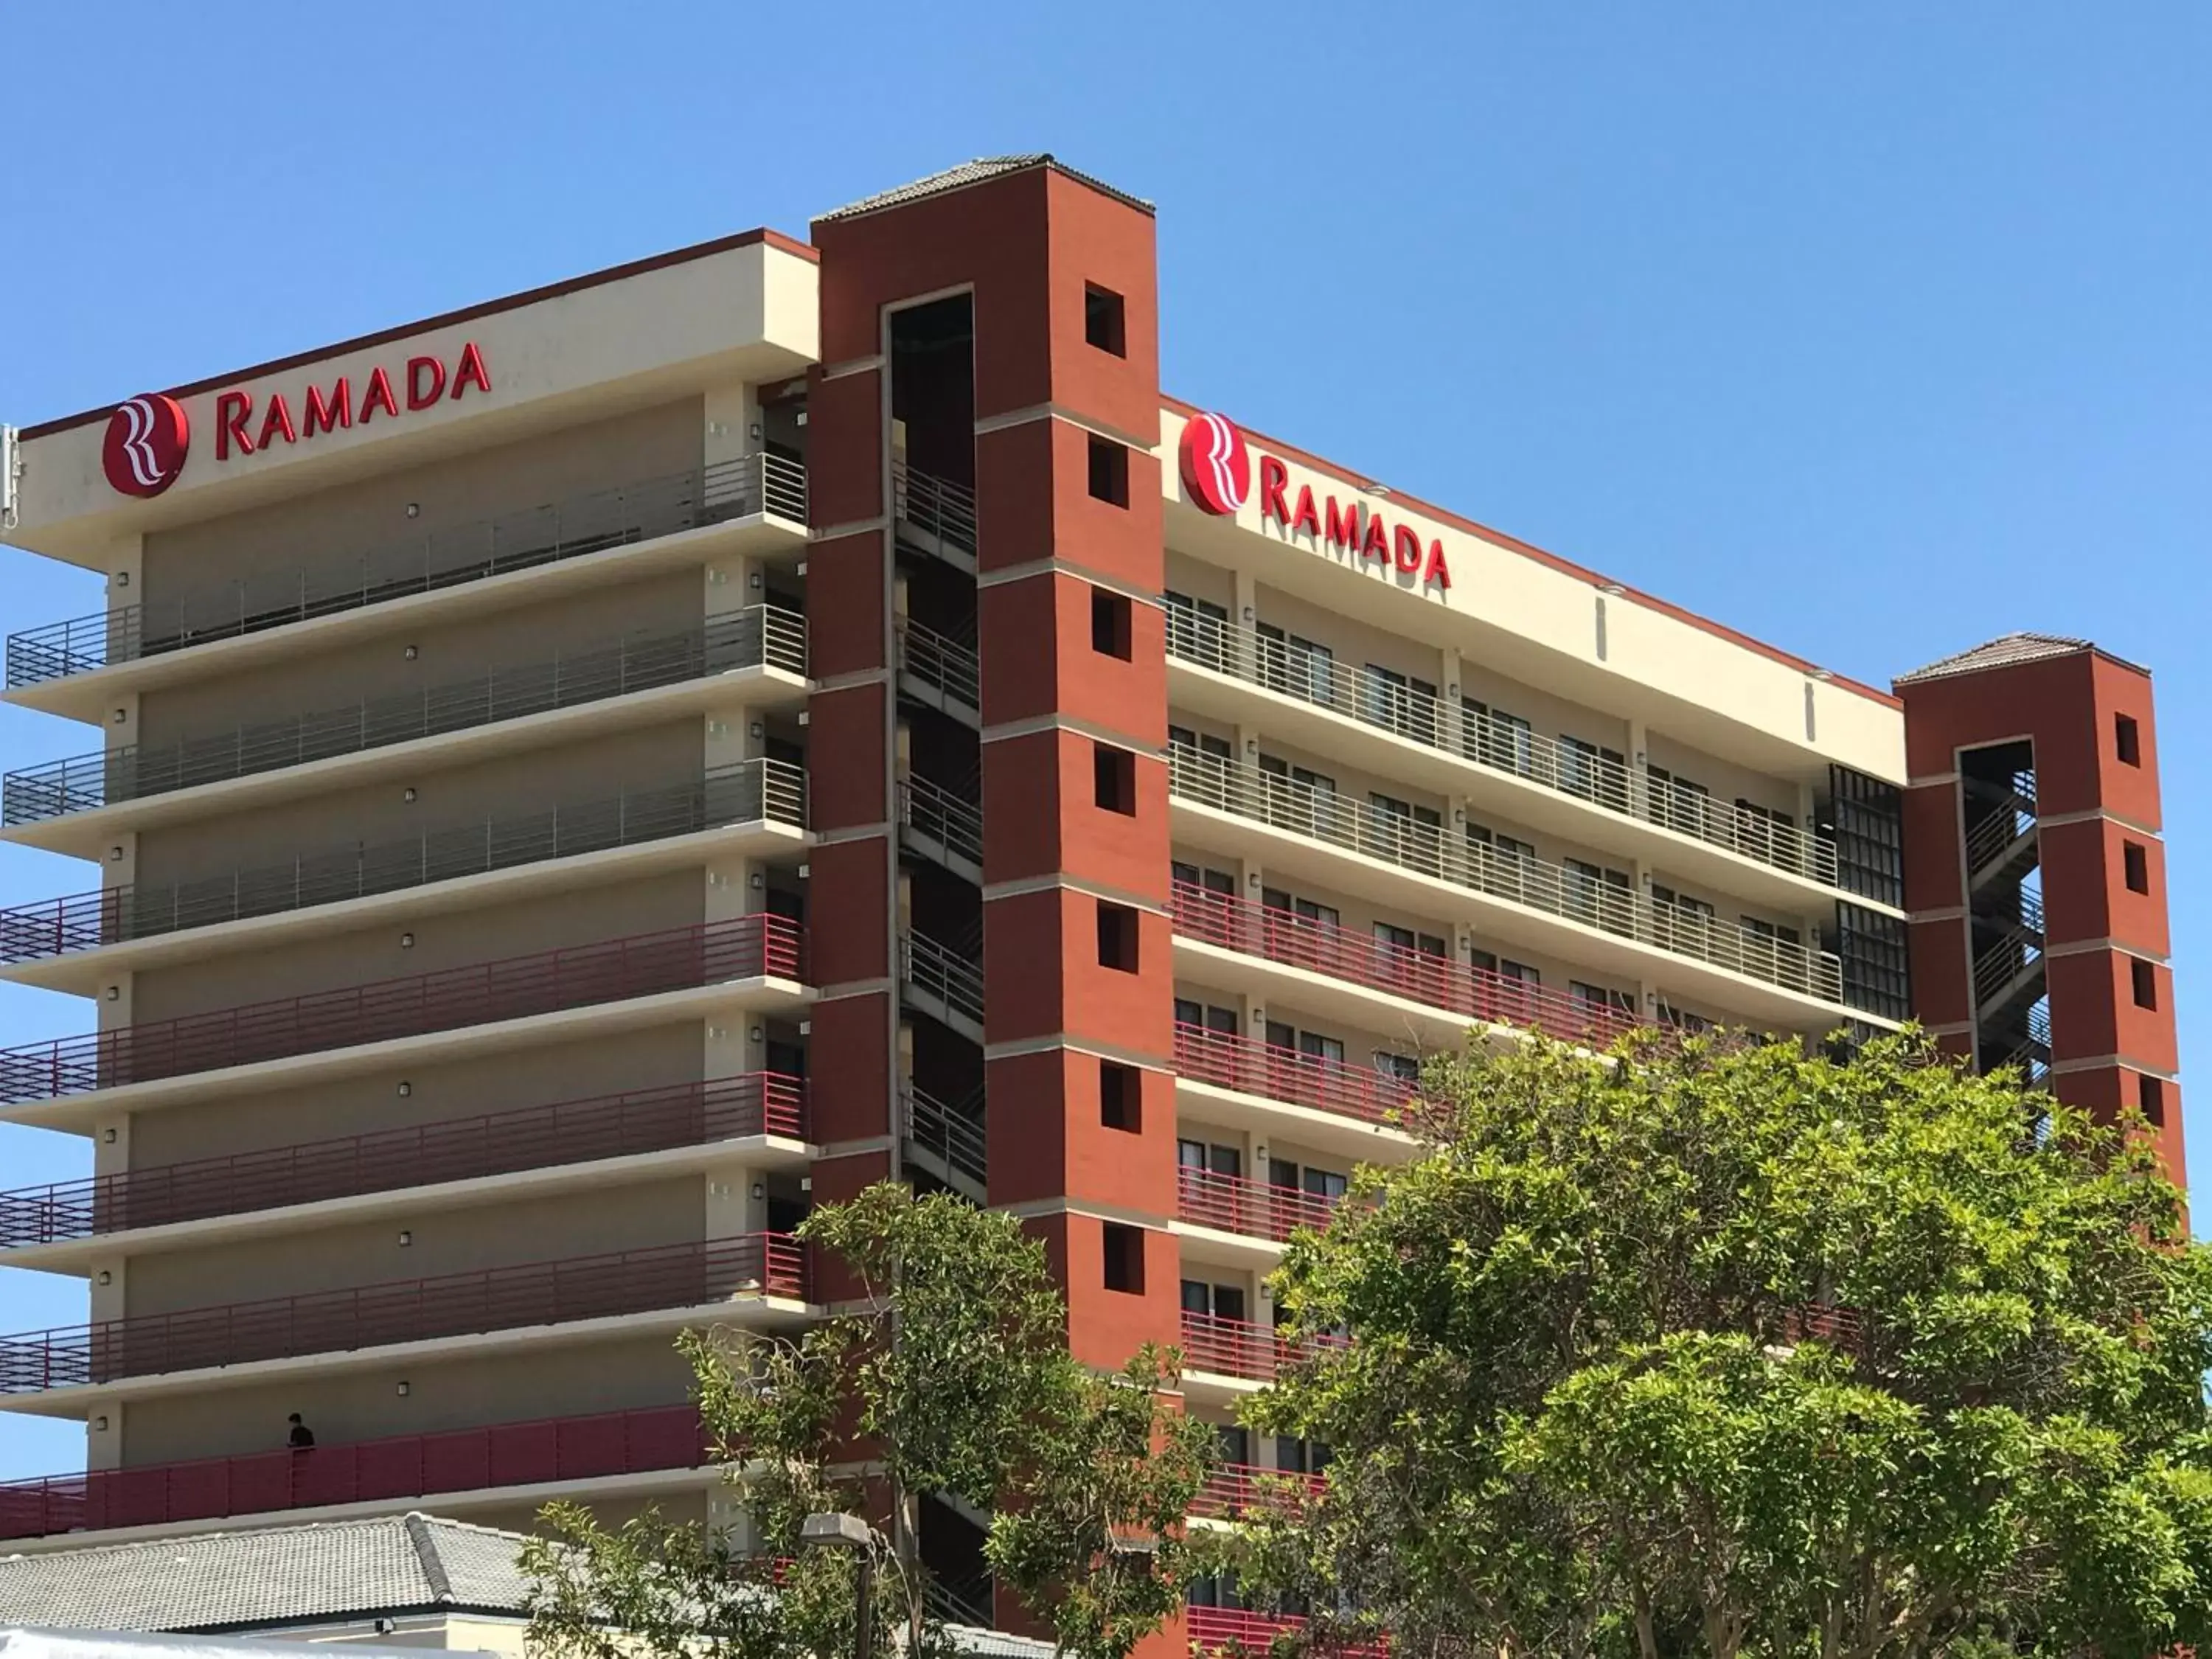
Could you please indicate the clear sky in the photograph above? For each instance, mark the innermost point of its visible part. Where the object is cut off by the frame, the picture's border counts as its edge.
(1874, 330)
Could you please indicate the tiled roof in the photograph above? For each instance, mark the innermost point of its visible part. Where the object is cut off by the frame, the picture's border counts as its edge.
(2003, 652)
(976, 172)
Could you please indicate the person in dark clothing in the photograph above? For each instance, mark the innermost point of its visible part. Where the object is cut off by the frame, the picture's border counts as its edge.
(302, 1436)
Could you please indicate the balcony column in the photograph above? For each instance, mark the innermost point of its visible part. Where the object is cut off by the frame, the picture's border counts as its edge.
(103, 1437)
(1450, 732)
(1244, 624)
(1639, 769)
(115, 1001)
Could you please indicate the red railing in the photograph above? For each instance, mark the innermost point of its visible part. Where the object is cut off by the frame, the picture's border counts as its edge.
(1236, 1348)
(527, 1137)
(1229, 1062)
(512, 988)
(1234, 1488)
(1234, 1204)
(1238, 1628)
(405, 1466)
(409, 1311)
(1321, 947)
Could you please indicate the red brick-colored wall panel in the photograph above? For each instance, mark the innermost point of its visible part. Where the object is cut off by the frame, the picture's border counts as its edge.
(1958, 1045)
(2094, 1011)
(2085, 885)
(845, 447)
(845, 604)
(1033, 482)
(849, 1066)
(1942, 992)
(1042, 817)
(2138, 919)
(1026, 1116)
(1105, 1005)
(1034, 635)
(1047, 1139)
(849, 903)
(1025, 806)
(2128, 792)
(1097, 239)
(2105, 1091)
(1024, 957)
(836, 1181)
(1016, 488)
(1026, 934)
(1106, 1326)
(845, 772)
(1932, 878)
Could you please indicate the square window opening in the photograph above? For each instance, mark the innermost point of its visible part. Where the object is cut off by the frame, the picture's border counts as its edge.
(1110, 615)
(1124, 1258)
(2150, 1095)
(2127, 740)
(1121, 1097)
(1117, 937)
(1114, 779)
(2135, 859)
(1103, 324)
(2146, 983)
(1109, 472)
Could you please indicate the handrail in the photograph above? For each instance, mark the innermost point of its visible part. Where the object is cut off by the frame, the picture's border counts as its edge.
(566, 528)
(937, 507)
(1321, 947)
(407, 1310)
(1241, 1631)
(1228, 1061)
(1257, 1209)
(1230, 785)
(960, 1141)
(746, 791)
(760, 635)
(514, 988)
(940, 971)
(1230, 1489)
(1493, 744)
(941, 662)
(390, 1160)
(391, 1468)
(2011, 817)
(932, 811)
(1236, 1348)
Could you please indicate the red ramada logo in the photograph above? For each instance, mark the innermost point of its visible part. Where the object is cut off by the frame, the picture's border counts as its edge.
(147, 438)
(1216, 468)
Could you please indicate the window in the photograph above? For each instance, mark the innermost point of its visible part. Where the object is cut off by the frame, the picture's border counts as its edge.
(1597, 896)
(1121, 1096)
(1198, 630)
(2146, 983)
(1210, 1158)
(1760, 831)
(1280, 898)
(1117, 937)
(1676, 802)
(2135, 858)
(1400, 702)
(1125, 1257)
(2150, 1095)
(1114, 779)
(1400, 1068)
(1297, 668)
(1497, 739)
(2127, 741)
(1205, 1016)
(1601, 996)
(1215, 1301)
(1103, 323)
(1109, 623)
(1109, 470)
(1206, 879)
(1771, 933)
(1595, 773)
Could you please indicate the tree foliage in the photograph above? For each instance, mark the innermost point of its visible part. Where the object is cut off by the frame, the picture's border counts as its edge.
(1722, 1349)
(949, 1376)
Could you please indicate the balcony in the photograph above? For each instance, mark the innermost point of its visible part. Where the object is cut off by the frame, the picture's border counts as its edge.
(760, 637)
(1237, 1348)
(1235, 1489)
(757, 1265)
(1239, 1630)
(1475, 995)
(1227, 1061)
(1519, 887)
(535, 537)
(573, 1132)
(517, 987)
(1498, 749)
(1254, 1209)
(504, 1455)
(755, 791)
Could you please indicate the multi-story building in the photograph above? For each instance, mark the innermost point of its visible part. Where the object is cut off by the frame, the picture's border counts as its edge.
(574, 782)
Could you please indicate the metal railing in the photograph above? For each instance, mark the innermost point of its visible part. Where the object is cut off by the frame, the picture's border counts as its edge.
(955, 1136)
(391, 1160)
(1257, 1209)
(1241, 1631)
(408, 1310)
(1228, 1061)
(940, 662)
(939, 970)
(1234, 1489)
(515, 988)
(1281, 803)
(937, 814)
(759, 637)
(2012, 951)
(364, 1472)
(434, 559)
(1236, 1348)
(1495, 744)
(749, 792)
(2011, 817)
(1321, 947)
(936, 506)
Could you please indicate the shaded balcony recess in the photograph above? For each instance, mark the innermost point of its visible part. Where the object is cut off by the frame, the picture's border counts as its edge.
(759, 791)
(570, 528)
(515, 988)
(760, 636)
(1238, 1347)
(391, 1160)
(1247, 1066)
(1256, 1209)
(558, 1448)
(1234, 1488)
(491, 1300)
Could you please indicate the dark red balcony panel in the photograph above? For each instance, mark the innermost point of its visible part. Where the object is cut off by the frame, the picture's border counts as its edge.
(1235, 1489)
(1238, 1630)
(1236, 1348)
(409, 1310)
(1229, 1062)
(528, 1137)
(611, 971)
(1321, 947)
(408, 1466)
(1259, 1209)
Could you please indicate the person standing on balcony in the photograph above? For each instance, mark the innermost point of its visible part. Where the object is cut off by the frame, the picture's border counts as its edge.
(301, 1436)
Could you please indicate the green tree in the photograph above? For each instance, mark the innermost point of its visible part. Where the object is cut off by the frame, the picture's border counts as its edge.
(1724, 1349)
(949, 1376)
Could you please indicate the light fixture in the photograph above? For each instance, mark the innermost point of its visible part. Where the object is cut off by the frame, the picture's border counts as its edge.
(413, 509)
(99, 1424)
(114, 993)
(758, 731)
(404, 1387)
(122, 716)
(106, 1277)
(123, 579)
(756, 1034)
(411, 653)
(1613, 588)
(757, 881)
(108, 1136)
(753, 581)
(115, 856)
(406, 1089)
(760, 1191)
(406, 1237)
(407, 941)
(407, 794)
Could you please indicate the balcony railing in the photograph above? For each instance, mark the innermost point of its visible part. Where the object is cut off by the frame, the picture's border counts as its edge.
(391, 1160)
(937, 814)
(941, 971)
(941, 663)
(1228, 1061)
(592, 523)
(1235, 1489)
(1497, 745)
(1322, 815)
(409, 1310)
(937, 507)
(1240, 1631)
(364, 1472)
(1258, 1209)
(750, 791)
(955, 1135)
(1236, 1348)
(515, 988)
(1321, 947)
(759, 637)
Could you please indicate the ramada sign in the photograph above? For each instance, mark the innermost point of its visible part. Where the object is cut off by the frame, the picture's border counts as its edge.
(1217, 471)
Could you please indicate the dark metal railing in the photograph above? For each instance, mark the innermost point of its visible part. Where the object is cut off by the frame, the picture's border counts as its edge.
(1227, 1061)
(1257, 1209)
(1236, 1348)
(957, 1136)
(548, 534)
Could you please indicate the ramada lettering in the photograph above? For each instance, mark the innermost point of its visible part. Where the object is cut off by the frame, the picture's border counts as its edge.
(1352, 528)
(424, 383)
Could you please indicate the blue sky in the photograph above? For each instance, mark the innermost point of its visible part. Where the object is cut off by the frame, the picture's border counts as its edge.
(1873, 330)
